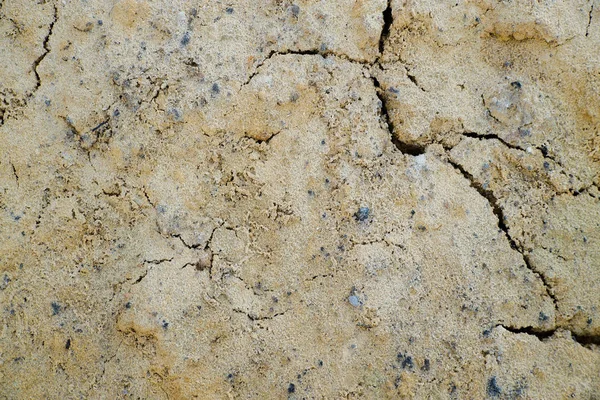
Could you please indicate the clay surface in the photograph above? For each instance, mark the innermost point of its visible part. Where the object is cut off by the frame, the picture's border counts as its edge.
(309, 199)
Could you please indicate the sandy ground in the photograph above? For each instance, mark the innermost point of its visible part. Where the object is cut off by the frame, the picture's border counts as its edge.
(305, 200)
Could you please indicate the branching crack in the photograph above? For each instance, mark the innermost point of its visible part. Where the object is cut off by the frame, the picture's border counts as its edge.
(405, 148)
(497, 210)
(155, 262)
(46, 47)
(189, 246)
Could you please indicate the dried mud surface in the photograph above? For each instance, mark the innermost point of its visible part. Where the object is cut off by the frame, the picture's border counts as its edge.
(310, 199)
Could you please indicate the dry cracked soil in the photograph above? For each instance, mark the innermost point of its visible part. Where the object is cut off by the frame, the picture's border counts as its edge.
(299, 199)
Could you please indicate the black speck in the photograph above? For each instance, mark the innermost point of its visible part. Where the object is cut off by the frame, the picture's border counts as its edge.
(311, 193)
(516, 84)
(412, 213)
(487, 333)
(229, 10)
(426, 365)
(362, 214)
(323, 142)
(68, 345)
(165, 324)
(215, 88)
(48, 102)
(291, 388)
(543, 317)
(320, 363)
(493, 389)
(589, 321)
(128, 304)
(405, 361)
(546, 165)
(100, 22)
(56, 308)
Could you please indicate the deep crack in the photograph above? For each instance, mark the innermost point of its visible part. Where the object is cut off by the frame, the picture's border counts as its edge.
(388, 20)
(405, 148)
(488, 136)
(545, 334)
(529, 330)
(497, 210)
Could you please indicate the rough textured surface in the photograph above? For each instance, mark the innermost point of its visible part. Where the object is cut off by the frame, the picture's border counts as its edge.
(349, 199)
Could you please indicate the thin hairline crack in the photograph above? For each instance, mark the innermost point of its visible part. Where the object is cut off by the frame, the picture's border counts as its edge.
(46, 47)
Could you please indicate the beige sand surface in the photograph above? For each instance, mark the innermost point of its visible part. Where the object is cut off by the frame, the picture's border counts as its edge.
(307, 200)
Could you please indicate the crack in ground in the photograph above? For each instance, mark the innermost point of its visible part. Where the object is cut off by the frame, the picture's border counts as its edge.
(405, 148)
(587, 29)
(491, 136)
(415, 150)
(145, 273)
(46, 47)
(388, 20)
(542, 335)
(497, 210)
(308, 52)
(98, 379)
(14, 171)
(542, 149)
(119, 285)
(253, 317)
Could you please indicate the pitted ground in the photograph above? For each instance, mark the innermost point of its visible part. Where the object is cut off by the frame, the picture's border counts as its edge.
(346, 199)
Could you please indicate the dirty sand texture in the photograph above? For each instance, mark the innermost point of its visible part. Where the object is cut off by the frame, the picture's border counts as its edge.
(307, 200)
